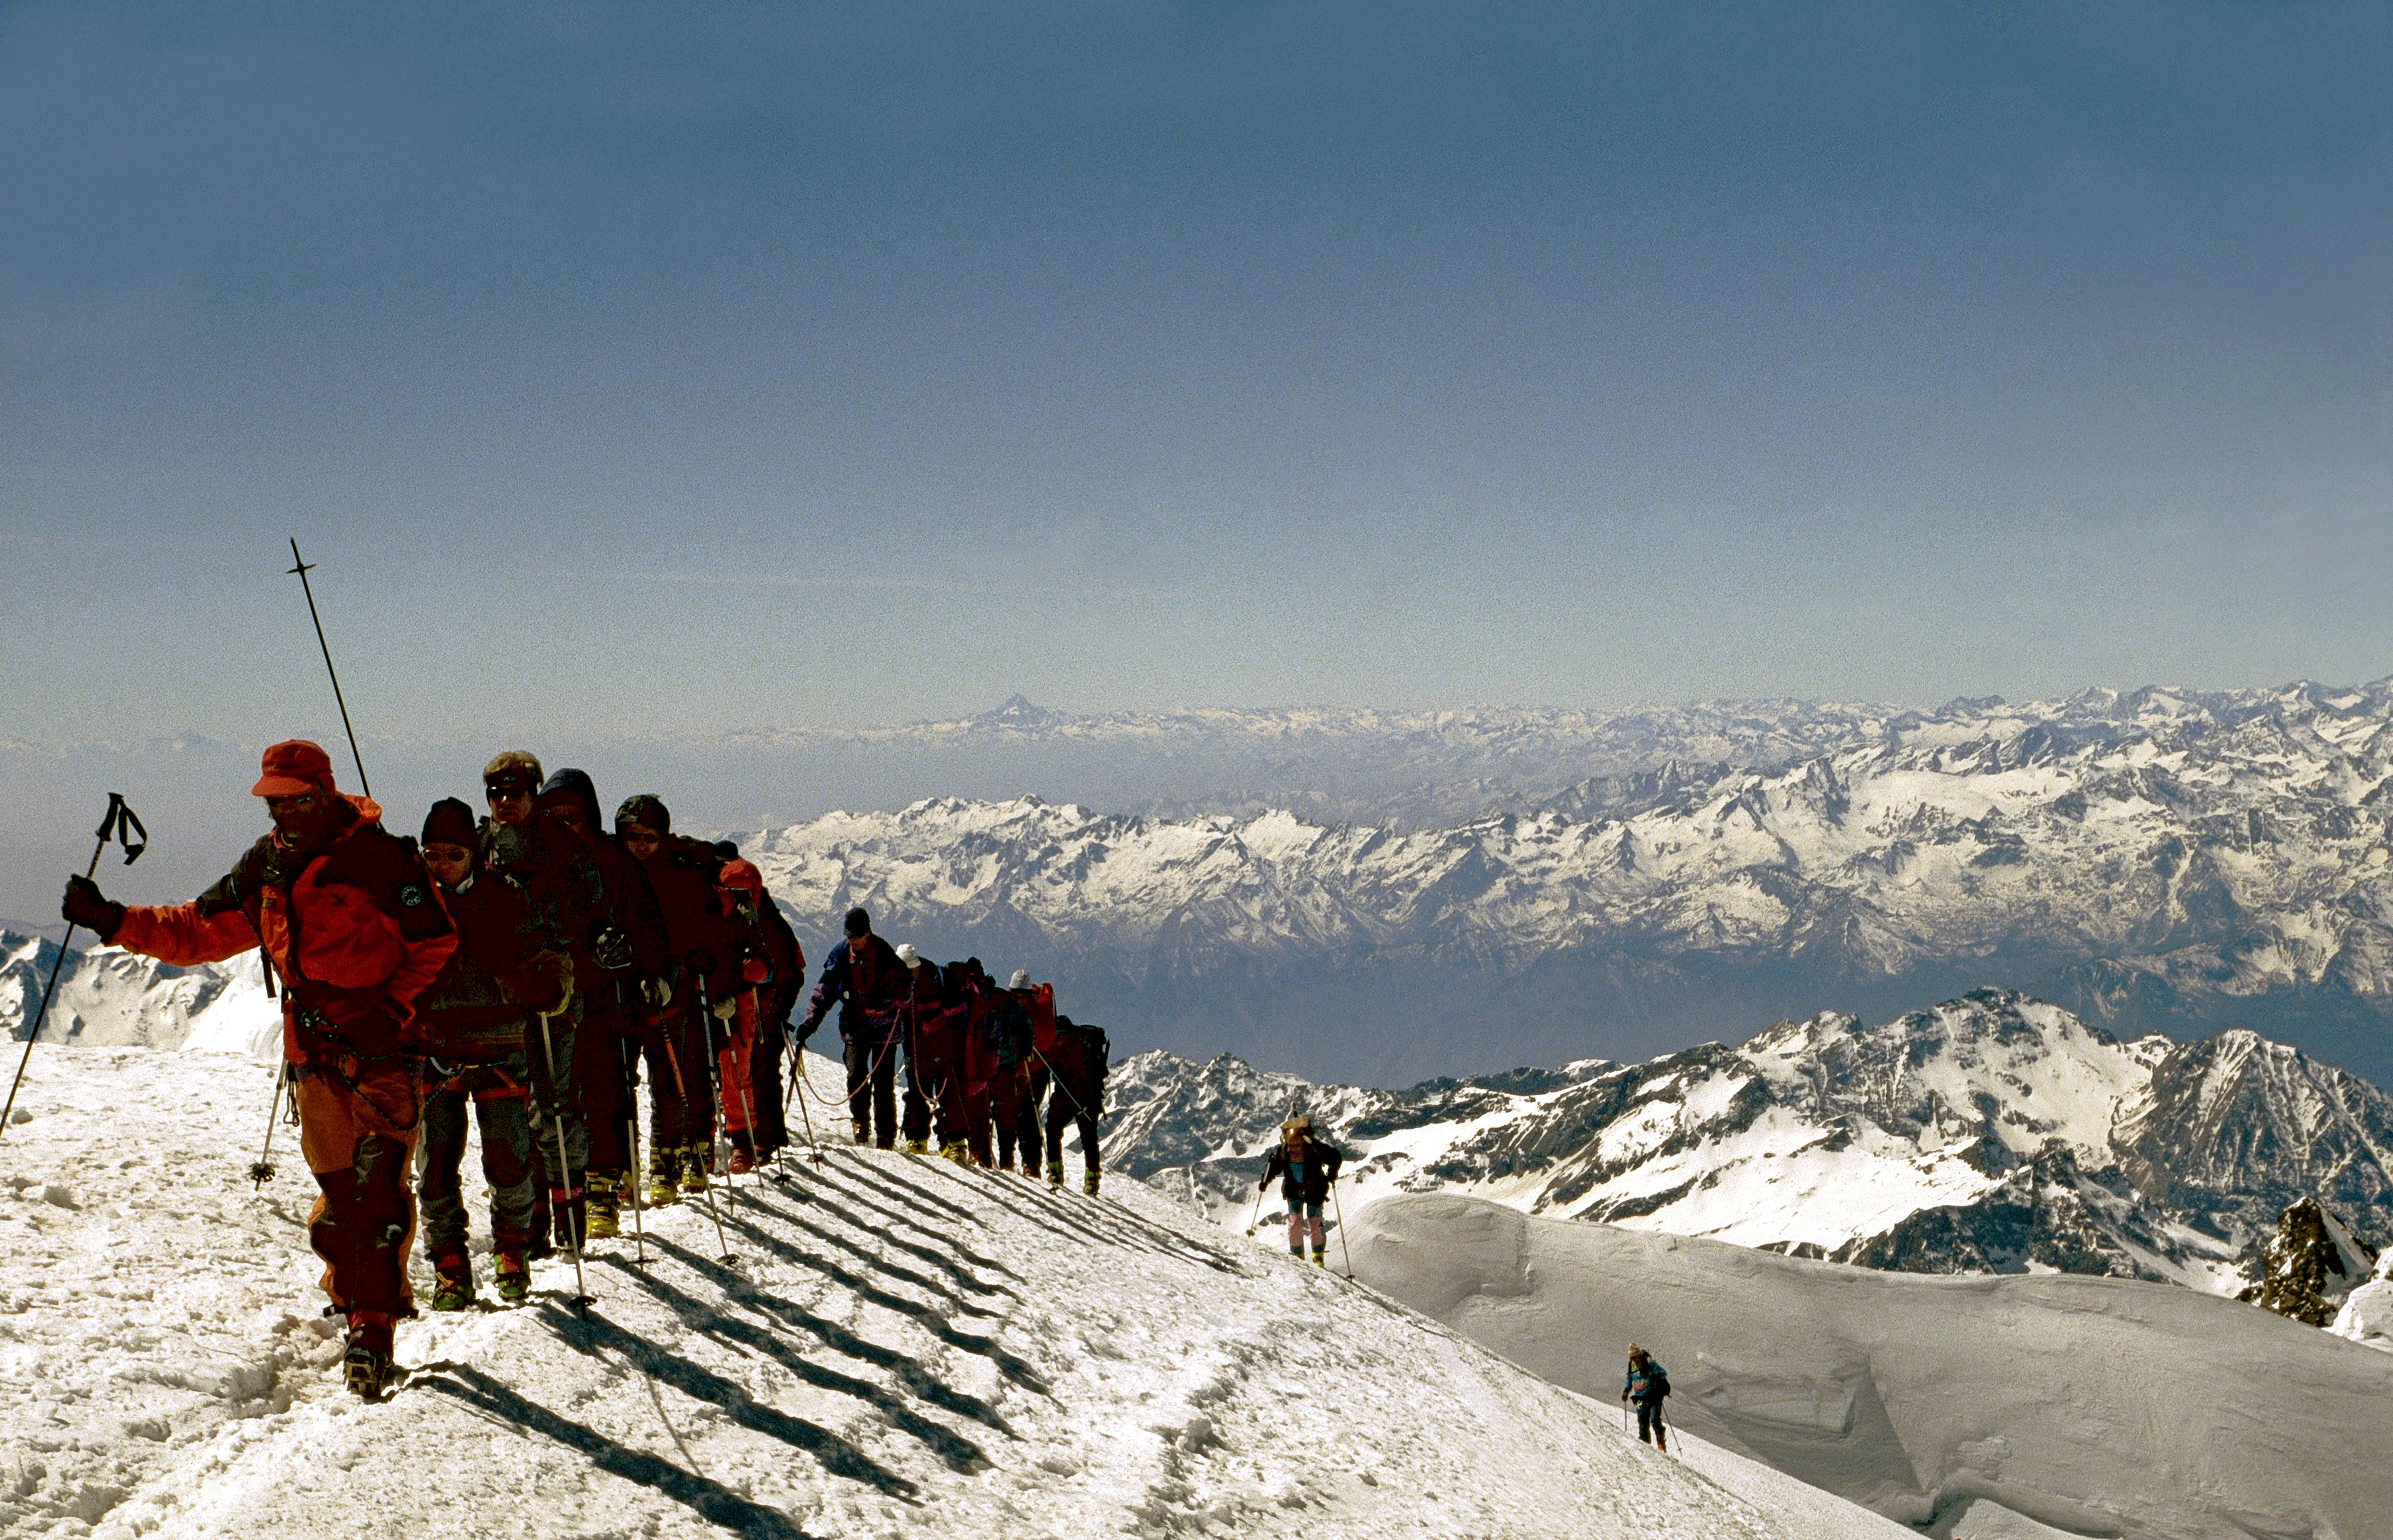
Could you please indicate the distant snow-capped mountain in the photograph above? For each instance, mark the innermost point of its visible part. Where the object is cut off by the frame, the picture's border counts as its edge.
(2160, 860)
(1994, 1132)
(112, 998)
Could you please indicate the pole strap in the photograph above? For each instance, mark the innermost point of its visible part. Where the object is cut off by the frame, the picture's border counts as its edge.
(121, 824)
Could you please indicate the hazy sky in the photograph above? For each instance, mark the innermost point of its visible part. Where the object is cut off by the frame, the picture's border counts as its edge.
(631, 367)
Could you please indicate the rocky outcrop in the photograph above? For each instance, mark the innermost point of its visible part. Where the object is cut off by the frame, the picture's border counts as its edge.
(2311, 1266)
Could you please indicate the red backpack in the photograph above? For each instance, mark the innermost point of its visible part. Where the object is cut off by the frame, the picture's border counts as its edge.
(1040, 1002)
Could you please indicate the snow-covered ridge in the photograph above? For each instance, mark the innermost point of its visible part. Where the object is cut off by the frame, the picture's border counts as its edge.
(1993, 1133)
(897, 1348)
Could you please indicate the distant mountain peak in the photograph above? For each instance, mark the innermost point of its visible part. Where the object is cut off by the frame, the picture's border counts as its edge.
(1016, 711)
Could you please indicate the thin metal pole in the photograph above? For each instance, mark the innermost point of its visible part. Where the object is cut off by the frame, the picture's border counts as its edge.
(119, 824)
(682, 1084)
(263, 1172)
(1340, 1209)
(632, 1178)
(717, 1150)
(797, 1069)
(581, 1300)
(55, 965)
(302, 569)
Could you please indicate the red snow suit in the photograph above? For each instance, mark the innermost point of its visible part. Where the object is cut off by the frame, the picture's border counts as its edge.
(356, 932)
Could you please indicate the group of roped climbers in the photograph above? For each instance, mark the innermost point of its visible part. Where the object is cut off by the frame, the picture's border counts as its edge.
(979, 1059)
(526, 964)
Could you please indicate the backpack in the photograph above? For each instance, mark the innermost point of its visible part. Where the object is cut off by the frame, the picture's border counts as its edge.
(1091, 1042)
(1040, 1002)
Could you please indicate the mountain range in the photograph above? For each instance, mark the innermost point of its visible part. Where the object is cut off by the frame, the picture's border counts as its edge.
(2155, 861)
(1993, 1133)
(1385, 896)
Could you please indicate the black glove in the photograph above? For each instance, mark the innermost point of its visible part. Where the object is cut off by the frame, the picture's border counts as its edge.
(610, 947)
(85, 905)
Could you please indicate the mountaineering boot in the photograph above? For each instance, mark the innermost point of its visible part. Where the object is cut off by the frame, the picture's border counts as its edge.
(957, 1151)
(863, 1131)
(918, 1146)
(1320, 1258)
(513, 1276)
(453, 1286)
(743, 1161)
(367, 1365)
(1089, 1184)
(570, 1217)
(538, 1246)
(693, 1168)
(1005, 1166)
(1056, 1175)
(601, 1208)
(1297, 1252)
(664, 1177)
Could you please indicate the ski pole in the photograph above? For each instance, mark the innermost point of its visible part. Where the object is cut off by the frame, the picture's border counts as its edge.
(119, 824)
(300, 568)
(581, 1300)
(262, 1170)
(1339, 1209)
(632, 1131)
(682, 1086)
(639, 1227)
(713, 1211)
(797, 1068)
(721, 1142)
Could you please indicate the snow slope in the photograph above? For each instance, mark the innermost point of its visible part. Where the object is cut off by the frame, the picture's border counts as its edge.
(1985, 1406)
(897, 1348)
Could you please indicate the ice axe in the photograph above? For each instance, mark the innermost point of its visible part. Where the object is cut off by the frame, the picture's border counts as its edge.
(118, 824)
(1255, 1219)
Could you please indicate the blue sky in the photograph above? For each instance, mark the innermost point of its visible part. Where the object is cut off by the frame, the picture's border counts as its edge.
(643, 367)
